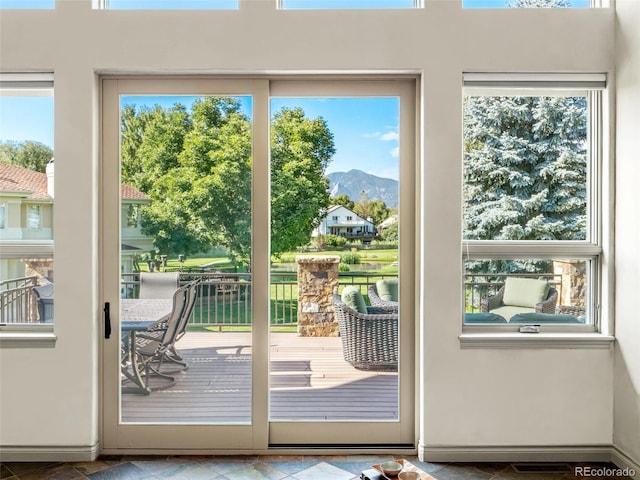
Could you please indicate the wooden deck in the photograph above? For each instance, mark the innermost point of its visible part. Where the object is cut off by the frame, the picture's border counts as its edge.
(309, 380)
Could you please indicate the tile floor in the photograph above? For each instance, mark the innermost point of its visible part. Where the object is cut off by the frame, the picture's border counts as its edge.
(303, 467)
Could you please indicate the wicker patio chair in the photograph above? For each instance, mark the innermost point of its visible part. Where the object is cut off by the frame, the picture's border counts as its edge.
(369, 340)
(376, 301)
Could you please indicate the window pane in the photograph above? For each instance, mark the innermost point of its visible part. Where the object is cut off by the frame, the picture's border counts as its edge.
(27, 4)
(539, 291)
(172, 4)
(526, 3)
(26, 199)
(362, 4)
(335, 166)
(525, 168)
(186, 215)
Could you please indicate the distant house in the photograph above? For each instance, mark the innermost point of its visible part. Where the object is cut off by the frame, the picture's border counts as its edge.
(26, 223)
(392, 220)
(342, 222)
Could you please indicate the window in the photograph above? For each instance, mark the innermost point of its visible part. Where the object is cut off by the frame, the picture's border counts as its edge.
(531, 205)
(530, 3)
(170, 4)
(28, 4)
(33, 217)
(26, 200)
(349, 4)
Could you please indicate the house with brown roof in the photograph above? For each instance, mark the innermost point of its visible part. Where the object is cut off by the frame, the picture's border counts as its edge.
(26, 223)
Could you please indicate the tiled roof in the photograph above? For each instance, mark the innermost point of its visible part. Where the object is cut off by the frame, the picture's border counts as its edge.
(130, 193)
(19, 179)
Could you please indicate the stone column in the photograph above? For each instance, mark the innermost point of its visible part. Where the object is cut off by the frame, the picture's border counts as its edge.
(317, 279)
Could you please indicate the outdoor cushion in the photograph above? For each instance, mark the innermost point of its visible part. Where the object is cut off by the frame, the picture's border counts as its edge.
(352, 297)
(541, 318)
(508, 311)
(524, 292)
(483, 318)
(388, 289)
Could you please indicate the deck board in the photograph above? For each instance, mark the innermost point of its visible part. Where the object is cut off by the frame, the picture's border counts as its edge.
(309, 380)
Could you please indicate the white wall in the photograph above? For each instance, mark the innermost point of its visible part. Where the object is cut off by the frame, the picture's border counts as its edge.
(471, 397)
(627, 359)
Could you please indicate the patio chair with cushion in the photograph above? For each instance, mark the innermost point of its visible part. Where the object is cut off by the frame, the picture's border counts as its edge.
(156, 331)
(158, 285)
(369, 334)
(521, 295)
(152, 346)
(384, 293)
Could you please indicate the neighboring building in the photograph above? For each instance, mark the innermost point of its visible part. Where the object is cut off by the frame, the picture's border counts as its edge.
(26, 223)
(134, 242)
(392, 220)
(342, 222)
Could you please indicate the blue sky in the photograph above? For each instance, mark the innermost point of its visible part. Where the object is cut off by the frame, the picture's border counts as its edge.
(365, 129)
(26, 118)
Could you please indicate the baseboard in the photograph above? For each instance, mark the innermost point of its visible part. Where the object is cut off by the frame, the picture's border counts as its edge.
(439, 454)
(49, 453)
(624, 461)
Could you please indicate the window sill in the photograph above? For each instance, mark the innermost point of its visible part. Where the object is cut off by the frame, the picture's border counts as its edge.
(535, 340)
(27, 336)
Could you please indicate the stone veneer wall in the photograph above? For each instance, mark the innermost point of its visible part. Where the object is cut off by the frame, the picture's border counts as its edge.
(41, 268)
(317, 280)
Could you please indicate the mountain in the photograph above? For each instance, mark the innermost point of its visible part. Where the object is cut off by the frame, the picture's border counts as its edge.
(353, 182)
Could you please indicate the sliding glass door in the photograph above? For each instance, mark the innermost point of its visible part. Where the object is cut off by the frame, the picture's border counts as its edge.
(227, 228)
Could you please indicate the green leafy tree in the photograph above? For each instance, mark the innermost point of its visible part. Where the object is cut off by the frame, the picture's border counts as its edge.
(28, 154)
(390, 234)
(196, 168)
(374, 209)
(301, 149)
(344, 200)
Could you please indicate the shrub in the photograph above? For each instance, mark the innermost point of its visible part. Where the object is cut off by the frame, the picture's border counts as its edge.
(343, 267)
(334, 241)
(351, 258)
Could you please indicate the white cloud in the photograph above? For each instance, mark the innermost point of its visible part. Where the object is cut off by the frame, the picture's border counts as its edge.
(395, 152)
(372, 135)
(389, 136)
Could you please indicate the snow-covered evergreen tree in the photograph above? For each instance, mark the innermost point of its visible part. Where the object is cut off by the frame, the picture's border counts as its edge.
(525, 173)
(538, 3)
(525, 168)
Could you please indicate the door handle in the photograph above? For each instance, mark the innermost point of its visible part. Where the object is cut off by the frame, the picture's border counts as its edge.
(107, 320)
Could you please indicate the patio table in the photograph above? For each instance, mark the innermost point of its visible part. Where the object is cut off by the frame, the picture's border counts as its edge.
(136, 315)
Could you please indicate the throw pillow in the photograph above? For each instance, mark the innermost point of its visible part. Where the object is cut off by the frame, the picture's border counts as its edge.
(353, 298)
(524, 292)
(388, 289)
